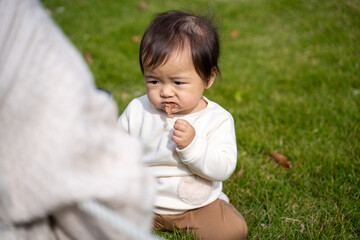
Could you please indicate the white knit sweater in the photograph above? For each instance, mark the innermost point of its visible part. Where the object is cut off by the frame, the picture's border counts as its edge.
(191, 177)
(60, 143)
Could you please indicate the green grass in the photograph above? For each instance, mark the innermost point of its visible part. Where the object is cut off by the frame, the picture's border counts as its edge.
(291, 79)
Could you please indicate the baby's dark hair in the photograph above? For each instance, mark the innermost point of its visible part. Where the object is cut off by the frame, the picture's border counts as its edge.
(173, 30)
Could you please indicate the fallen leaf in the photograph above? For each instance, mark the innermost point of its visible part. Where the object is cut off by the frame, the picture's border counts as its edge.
(88, 58)
(264, 225)
(322, 228)
(302, 228)
(135, 39)
(281, 159)
(293, 220)
(142, 6)
(234, 34)
(238, 174)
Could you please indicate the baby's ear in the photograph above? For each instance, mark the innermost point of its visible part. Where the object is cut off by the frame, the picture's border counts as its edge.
(211, 78)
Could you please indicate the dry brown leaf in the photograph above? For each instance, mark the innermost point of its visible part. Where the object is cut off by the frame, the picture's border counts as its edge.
(142, 6)
(88, 58)
(281, 159)
(168, 109)
(234, 34)
(302, 228)
(238, 174)
(135, 39)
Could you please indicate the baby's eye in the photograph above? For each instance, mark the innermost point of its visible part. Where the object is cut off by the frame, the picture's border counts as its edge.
(154, 82)
(179, 83)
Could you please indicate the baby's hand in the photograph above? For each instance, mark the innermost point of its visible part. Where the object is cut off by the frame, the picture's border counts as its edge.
(184, 133)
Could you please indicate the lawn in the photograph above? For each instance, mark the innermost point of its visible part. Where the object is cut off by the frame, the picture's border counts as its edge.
(290, 78)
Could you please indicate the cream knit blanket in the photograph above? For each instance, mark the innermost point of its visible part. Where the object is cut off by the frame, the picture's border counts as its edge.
(59, 139)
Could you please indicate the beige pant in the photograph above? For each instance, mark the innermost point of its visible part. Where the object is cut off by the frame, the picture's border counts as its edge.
(216, 221)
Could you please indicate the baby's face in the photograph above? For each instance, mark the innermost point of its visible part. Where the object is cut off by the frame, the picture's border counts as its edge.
(177, 83)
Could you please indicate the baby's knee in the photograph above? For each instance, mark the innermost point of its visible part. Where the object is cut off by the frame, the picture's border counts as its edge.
(242, 229)
(236, 229)
(234, 224)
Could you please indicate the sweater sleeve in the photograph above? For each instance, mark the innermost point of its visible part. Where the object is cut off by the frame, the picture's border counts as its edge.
(124, 120)
(214, 155)
(131, 119)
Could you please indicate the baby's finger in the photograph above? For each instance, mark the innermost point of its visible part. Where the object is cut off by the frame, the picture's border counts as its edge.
(181, 124)
(179, 127)
(175, 138)
(178, 133)
(180, 142)
(182, 121)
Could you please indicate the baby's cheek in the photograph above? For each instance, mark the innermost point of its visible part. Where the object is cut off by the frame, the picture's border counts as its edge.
(153, 99)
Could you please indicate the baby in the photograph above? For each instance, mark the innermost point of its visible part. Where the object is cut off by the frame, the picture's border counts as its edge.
(190, 143)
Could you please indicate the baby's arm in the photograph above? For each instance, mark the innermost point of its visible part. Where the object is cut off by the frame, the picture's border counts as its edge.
(212, 156)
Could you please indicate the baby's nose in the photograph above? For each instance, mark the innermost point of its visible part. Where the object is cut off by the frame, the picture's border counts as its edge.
(167, 91)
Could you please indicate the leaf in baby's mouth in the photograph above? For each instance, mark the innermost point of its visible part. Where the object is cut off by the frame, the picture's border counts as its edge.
(168, 109)
(281, 160)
